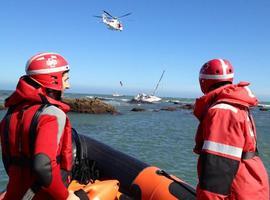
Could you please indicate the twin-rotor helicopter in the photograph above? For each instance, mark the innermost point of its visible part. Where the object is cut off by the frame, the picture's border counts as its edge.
(113, 23)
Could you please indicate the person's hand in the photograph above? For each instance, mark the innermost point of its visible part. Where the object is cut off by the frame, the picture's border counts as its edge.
(72, 196)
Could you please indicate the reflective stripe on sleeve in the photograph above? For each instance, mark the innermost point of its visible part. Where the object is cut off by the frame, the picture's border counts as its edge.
(225, 106)
(222, 148)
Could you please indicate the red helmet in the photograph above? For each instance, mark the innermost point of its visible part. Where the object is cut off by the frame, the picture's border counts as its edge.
(47, 69)
(215, 71)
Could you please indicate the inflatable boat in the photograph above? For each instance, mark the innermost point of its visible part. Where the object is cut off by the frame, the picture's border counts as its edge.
(117, 176)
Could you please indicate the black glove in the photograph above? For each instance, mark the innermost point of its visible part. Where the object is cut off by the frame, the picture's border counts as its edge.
(81, 194)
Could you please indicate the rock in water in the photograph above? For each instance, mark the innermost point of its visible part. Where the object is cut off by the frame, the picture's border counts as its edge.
(86, 105)
(137, 109)
(169, 108)
(2, 107)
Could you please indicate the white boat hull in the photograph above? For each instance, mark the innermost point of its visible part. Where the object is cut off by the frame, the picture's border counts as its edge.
(144, 98)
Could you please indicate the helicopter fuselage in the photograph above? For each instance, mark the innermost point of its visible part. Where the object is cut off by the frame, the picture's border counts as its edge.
(113, 24)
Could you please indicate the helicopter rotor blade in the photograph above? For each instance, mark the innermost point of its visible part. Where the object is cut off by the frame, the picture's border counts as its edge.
(109, 14)
(125, 15)
(97, 16)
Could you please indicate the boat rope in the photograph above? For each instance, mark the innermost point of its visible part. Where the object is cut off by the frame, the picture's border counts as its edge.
(84, 170)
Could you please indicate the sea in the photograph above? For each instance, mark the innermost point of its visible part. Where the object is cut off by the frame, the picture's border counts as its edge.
(161, 138)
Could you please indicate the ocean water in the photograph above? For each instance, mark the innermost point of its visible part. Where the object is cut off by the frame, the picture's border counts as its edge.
(164, 139)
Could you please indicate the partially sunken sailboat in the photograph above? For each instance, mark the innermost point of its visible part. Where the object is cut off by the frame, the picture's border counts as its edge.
(148, 98)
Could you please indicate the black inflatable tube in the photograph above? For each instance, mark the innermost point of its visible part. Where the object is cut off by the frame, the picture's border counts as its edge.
(113, 164)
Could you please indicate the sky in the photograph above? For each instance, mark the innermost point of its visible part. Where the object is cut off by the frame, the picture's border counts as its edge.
(173, 35)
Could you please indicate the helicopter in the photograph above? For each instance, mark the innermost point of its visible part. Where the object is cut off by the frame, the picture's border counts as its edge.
(113, 23)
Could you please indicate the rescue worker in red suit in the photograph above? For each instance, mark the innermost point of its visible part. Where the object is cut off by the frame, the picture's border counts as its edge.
(229, 166)
(38, 164)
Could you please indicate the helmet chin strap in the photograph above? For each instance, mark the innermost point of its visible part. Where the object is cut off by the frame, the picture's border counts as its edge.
(55, 94)
(219, 84)
(32, 81)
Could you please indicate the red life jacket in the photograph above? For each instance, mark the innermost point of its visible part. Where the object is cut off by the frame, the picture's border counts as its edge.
(23, 142)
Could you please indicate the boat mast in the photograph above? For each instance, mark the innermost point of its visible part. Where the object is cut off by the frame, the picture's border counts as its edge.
(158, 83)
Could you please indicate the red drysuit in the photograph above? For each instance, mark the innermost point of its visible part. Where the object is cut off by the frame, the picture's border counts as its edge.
(51, 153)
(229, 166)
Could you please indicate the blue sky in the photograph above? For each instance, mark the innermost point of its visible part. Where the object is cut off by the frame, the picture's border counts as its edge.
(175, 35)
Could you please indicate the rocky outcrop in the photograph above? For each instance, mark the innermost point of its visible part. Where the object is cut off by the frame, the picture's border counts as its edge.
(188, 106)
(2, 107)
(134, 101)
(87, 105)
(264, 109)
(169, 108)
(137, 109)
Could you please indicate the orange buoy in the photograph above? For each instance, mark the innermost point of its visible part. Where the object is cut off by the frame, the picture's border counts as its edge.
(102, 190)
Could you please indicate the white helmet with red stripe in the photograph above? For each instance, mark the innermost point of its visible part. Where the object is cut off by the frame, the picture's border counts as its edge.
(213, 72)
(47, 69)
